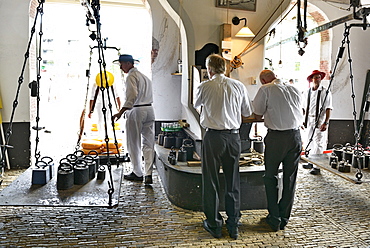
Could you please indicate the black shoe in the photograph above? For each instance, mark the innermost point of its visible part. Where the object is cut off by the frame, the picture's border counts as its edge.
(307, 166)
(133, 177)
(274, 226)
(215, 232)
(148, 179)
(283, 224)
(233, 231)
(315, 171)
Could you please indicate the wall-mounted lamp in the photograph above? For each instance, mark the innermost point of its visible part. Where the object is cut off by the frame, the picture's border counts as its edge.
(245, 31)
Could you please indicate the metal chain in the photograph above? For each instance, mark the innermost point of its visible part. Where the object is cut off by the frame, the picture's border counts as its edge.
(339, 56)
(38, 71)
(102, 71)
(357, 148)
(9, 130)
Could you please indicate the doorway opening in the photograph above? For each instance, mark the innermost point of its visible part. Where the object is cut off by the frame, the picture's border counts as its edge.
(281, 52)
(66, 54)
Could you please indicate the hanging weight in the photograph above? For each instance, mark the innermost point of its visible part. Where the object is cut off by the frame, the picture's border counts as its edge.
(367, 158)
(41, 173)
(72, 159)
(50, 163)
(358, 162)
(95, 155)
(189, 147)
(178, 141)
(181, 155)
(92, 166)
(338, 150)
(101, 173)
(81, 173)
(79, 154)
(333, 158)
(160, 139)
(65, 176)
(169, 141)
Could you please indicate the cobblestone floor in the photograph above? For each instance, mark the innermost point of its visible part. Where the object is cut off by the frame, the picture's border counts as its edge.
(328, 212)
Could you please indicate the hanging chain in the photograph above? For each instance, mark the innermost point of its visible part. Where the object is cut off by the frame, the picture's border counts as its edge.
(103, 74)
(9, 130)
(339, 56)
(357, 149)
(38, 71)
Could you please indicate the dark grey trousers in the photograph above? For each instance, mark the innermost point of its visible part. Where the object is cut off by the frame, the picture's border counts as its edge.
(221, 148)
(281, 147)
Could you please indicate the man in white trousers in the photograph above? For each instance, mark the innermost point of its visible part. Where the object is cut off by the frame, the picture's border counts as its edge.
(138, 110)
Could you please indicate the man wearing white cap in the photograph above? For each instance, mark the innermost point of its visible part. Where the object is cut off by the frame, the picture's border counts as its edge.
(139, 112)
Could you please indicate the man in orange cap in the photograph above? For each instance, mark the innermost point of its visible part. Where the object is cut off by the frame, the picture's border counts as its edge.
(317, 112)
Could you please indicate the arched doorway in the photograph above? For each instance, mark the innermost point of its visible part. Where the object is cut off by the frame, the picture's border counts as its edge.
(281, 50)
(67, 51)
(282, 47)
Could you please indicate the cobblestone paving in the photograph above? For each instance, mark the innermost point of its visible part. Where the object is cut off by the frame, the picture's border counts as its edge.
(328, 212)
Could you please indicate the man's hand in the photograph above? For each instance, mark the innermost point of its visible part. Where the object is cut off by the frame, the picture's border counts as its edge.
(117, 116)
(323, 127)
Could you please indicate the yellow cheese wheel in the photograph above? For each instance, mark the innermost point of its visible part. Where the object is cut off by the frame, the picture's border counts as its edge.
(86, 151)
(91, 145)
(111, 151)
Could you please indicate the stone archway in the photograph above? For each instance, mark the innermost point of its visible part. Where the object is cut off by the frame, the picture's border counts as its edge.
(326, 38)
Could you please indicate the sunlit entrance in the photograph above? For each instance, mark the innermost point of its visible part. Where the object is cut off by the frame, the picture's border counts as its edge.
(67, 52)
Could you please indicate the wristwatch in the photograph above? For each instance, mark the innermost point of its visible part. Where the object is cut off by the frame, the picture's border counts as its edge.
(326, 123)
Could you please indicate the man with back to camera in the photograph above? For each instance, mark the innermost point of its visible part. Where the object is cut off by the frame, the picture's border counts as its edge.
(223, 101)
(281, 106)
(139, 112)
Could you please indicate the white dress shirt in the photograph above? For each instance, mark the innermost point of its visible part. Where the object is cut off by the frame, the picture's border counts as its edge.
(313, 100)
(280, 104)
(138, 89)
(223, 101)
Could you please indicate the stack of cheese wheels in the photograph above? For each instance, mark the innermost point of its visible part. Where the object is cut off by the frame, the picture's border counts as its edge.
(92, 144)
(112, 147)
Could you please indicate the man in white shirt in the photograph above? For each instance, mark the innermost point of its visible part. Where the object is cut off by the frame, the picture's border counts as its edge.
(139, 112)
(222, 102)
(96, 104)
(318, 103)
(281, 106)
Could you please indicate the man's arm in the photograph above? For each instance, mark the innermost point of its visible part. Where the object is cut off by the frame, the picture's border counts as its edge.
(324, 126)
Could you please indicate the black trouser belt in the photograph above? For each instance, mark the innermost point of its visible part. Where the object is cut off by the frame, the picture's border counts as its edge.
(284, 131)
(143, 105)
(223, 130)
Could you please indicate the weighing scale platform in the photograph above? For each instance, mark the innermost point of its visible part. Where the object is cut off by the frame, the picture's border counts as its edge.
(21, 192)
(322, 161)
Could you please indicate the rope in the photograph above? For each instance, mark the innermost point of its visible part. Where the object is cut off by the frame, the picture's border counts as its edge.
(237, 61)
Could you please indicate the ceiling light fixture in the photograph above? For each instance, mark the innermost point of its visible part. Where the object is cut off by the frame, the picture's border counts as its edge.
(245, 31)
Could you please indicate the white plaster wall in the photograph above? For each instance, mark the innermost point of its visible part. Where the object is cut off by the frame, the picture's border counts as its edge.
(14, 32)
(166, 87)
